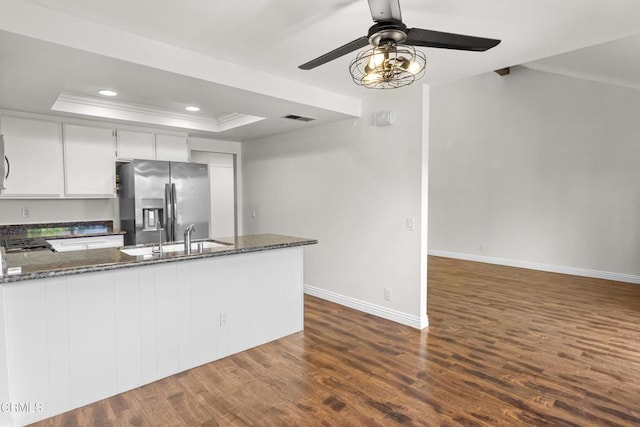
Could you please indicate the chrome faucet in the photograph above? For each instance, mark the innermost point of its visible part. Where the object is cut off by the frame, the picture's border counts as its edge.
(159, 250)
(187, 239)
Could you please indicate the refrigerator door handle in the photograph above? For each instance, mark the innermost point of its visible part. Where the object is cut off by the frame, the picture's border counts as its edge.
(168, 216)
(174, 200)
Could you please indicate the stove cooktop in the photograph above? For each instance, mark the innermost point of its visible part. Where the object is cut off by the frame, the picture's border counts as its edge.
(28, 244)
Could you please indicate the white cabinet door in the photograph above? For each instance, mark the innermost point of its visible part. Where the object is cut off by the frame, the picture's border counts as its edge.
(135, 145)
(172, 147)
(34, 151)
(90, 157)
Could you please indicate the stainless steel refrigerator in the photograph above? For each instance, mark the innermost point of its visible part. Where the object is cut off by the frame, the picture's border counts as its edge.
(161, 199)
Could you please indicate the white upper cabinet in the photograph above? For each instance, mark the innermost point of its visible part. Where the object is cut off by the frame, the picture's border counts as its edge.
(172, 147)
(34, 151)
(135, 145)
(50, 159)
(150, 145)
(89, 161)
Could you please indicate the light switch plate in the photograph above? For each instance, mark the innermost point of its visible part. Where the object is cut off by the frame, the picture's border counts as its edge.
(383, 118)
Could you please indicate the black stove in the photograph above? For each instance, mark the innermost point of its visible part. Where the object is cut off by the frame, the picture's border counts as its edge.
(25, 244)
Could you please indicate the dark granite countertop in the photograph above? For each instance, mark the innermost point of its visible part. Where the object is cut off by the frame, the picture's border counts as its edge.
(45, 263)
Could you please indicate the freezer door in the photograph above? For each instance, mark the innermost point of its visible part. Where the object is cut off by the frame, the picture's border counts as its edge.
(150, 179)
(191, 181)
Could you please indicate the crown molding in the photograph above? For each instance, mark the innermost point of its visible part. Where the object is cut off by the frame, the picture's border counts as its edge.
(99, 107)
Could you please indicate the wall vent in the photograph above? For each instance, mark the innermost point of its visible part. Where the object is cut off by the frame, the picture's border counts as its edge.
(299, 118)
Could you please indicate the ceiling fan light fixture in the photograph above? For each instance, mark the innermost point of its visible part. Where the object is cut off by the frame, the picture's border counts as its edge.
(393, 62)
(377, 58)
(388, 66)
(372, 78)
(416, 68)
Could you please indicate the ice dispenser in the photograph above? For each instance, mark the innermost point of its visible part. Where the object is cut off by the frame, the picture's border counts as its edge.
(152, 214)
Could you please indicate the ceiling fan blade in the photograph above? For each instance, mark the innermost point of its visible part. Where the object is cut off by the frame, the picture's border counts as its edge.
(384, 10)
(336, 53)
(429, 38)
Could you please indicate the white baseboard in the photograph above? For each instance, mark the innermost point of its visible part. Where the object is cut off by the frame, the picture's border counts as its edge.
(418, 322)
(575, 271)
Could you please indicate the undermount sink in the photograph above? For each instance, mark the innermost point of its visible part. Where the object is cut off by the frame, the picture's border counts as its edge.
(173, 247)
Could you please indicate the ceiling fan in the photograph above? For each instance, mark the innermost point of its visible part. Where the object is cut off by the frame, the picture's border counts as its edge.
(393, 61)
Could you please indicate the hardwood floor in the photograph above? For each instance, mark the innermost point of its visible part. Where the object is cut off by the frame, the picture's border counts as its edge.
(505, 346)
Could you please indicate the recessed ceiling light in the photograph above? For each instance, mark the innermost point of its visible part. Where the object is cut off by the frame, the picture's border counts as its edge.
(192, 108)
(107, 92)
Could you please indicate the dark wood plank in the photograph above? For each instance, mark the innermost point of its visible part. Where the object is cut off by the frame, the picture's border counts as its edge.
(505, 346)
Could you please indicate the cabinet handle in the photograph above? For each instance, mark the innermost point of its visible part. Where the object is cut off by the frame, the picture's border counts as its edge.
(8, 166)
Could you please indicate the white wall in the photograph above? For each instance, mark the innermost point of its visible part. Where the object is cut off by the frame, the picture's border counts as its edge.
(52, 210)
(351, 186)
(538, 168)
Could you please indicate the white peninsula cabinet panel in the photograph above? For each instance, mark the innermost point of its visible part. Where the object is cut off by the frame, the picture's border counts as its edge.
(34, 150)
(76, 339)
(92, 362)
(5, 417)
(90, 157)
(132, 144)
(172, 147)
(128, 328)
(39, 360)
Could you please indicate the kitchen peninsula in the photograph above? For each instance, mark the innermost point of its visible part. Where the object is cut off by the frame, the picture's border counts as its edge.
(81, 326)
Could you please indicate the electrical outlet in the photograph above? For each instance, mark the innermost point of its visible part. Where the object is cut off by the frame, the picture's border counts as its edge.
(387, 294)
(410, 223)
(25, 212)
(224, 318)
